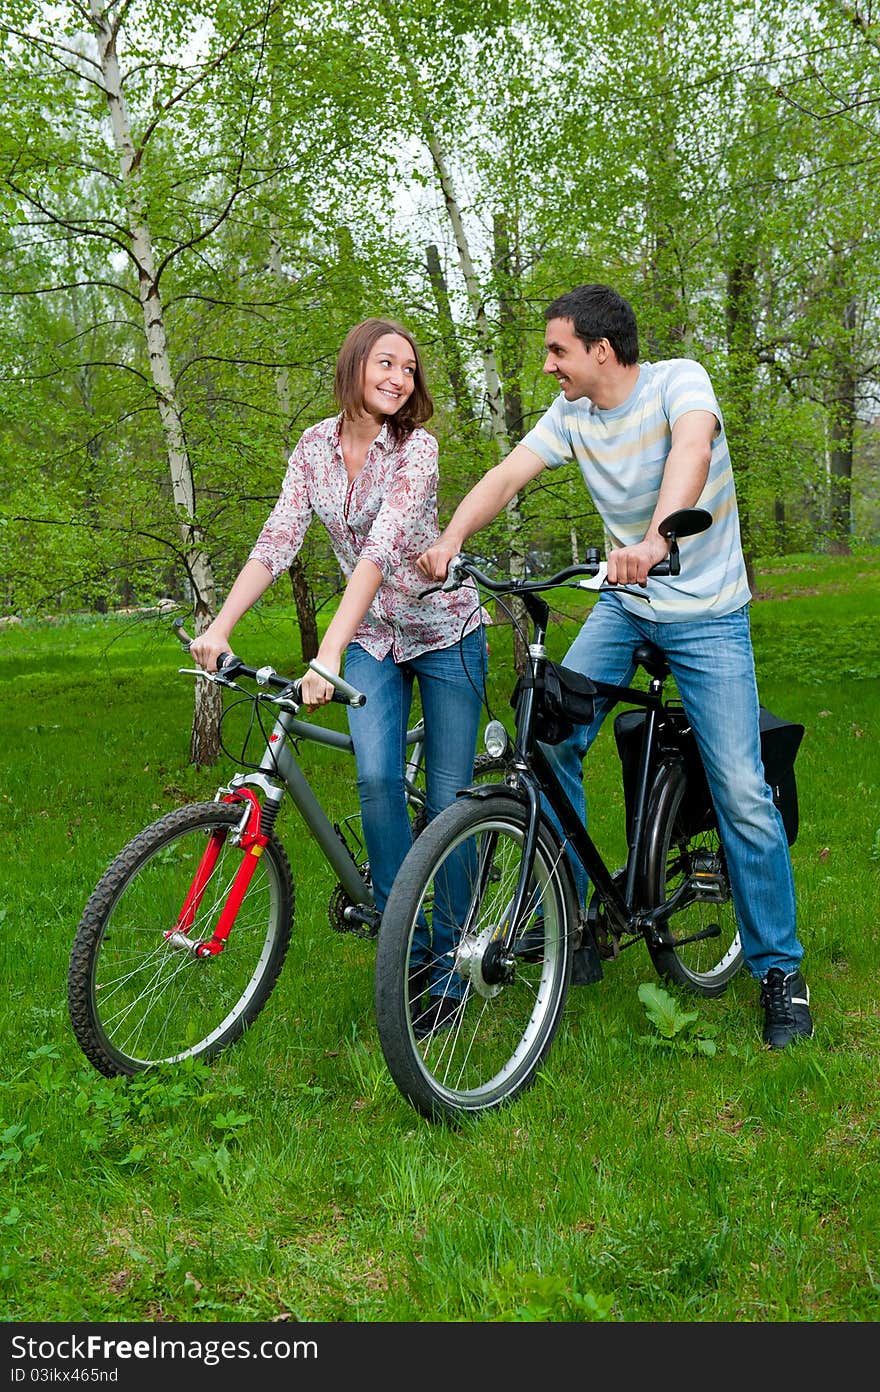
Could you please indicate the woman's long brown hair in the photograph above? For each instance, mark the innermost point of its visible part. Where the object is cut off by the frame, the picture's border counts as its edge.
(348, 385)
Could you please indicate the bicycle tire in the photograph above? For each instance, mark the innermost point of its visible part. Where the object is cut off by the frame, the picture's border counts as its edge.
(499, 1033)
(488, 768)
(134, 999)
(677, 856)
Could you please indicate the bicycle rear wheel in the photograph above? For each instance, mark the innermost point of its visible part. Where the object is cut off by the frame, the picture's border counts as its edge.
(461, 1032)
(692, 864)
(137, 993)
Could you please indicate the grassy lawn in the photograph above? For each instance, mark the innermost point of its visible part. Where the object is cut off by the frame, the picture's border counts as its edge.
(634, 1182)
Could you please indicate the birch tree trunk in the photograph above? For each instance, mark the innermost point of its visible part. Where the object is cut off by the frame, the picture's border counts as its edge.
(205, 742)
(494, 395)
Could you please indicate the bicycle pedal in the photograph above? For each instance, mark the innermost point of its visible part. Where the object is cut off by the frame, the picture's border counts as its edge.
(360, 922)
(607, 945)
(709, 888)
(586, 962)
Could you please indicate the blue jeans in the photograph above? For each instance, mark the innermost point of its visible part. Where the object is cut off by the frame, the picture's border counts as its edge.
(713, 666)
(451, 683)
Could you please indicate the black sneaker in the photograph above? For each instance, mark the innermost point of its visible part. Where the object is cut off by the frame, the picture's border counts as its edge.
(786, 1004)
(529, 946)
(418, 983)
(439, 1015)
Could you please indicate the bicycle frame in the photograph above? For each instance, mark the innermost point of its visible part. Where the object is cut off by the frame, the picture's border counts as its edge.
(279, 762)
(279, 772)
(540, 779)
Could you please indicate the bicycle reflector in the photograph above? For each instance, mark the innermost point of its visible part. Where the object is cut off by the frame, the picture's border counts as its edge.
(495, 739)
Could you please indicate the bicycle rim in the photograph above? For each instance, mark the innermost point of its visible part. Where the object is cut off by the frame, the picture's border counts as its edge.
(137, 996)
(691, 863)
(491, 1035)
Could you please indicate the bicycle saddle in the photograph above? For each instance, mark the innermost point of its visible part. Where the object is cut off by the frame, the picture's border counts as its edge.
(649, 656)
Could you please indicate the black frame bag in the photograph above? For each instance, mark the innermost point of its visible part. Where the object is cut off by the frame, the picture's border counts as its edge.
(563, 698)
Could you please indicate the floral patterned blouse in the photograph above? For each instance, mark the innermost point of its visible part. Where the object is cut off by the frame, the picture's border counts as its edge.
(387, 515)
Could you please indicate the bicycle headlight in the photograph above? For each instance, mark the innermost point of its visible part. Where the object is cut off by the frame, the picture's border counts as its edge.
(495, 739)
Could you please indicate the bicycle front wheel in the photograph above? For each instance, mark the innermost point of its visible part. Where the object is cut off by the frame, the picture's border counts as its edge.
(702, 949)
(462, 1029)
(138, 994)
(488, 768)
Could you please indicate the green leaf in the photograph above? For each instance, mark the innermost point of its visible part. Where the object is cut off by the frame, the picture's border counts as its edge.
(664, 1012)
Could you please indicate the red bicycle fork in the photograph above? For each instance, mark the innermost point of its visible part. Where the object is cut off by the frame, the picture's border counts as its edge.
(252, 841)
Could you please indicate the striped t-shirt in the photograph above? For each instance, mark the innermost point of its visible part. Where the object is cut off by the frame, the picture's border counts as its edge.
(622, 453)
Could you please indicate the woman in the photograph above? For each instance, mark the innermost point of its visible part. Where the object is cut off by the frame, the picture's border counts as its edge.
(370, 475)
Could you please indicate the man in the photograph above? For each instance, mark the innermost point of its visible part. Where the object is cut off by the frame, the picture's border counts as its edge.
(649, 439)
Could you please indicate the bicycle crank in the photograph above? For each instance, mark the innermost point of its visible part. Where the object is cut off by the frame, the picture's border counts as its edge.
(347, 917)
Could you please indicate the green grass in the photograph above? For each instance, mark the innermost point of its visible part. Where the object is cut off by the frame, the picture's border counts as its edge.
(632, 1183)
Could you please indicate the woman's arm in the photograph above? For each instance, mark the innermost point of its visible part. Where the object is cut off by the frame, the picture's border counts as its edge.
(252, 581)
(363, 584)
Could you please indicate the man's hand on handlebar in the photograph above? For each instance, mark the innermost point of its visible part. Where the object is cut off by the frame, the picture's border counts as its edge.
(630, 564)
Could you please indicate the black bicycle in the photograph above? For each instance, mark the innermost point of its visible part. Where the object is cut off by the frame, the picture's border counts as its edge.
(497, 866)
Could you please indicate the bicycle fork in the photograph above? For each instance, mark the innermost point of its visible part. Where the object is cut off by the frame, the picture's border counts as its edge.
(252, 837)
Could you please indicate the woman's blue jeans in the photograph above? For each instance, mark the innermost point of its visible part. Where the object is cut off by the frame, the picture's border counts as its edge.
(713, 666)
(451, 684)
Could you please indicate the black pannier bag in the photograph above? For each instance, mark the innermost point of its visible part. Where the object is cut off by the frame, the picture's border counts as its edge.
(563, 698)
(780, 741)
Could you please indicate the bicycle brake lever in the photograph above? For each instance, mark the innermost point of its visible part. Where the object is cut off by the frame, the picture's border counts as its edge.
(599, 581)
(595, 582)
(453, 579)
(625, 589)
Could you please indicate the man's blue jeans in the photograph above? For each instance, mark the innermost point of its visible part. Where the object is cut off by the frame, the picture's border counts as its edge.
(713, 666)
(451, 683)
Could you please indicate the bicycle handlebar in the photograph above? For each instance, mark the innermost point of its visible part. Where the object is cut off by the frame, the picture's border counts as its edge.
(683, 523)
(463, 566)
(229, 667)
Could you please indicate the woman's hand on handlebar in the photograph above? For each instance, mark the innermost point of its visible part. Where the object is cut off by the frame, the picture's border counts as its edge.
(629, 565)
(208, 646)
(434, 563)
(316, 690)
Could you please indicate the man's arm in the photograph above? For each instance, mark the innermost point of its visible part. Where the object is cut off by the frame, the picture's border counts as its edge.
(479, 507)
(684, 478)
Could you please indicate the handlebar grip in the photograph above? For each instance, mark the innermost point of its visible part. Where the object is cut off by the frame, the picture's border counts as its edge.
(295, 687)
(671, 566)
(228, 664)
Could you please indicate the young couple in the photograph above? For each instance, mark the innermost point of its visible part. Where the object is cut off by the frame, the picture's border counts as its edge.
(649, 439)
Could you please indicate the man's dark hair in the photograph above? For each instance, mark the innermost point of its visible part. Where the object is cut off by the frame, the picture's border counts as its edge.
(597, 311)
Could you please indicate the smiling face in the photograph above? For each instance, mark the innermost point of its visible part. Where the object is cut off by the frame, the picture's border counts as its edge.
(388, 375)
(576, 367)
